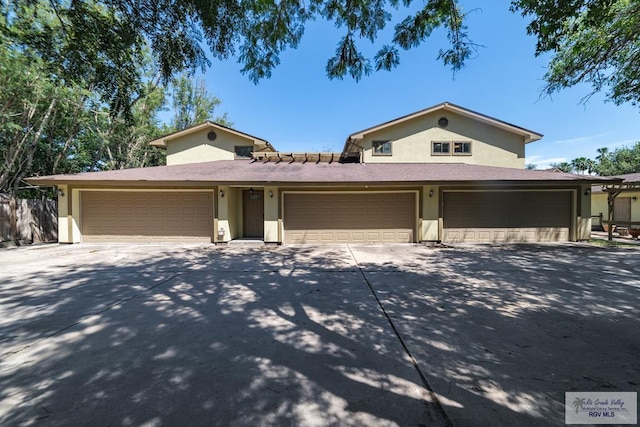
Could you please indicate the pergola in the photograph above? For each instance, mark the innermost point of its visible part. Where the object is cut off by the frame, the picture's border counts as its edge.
(614, 190)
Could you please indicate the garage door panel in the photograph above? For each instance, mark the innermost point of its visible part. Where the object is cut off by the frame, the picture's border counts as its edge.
(509, 216)
(351, 217)
(496, 236)
(146, 217)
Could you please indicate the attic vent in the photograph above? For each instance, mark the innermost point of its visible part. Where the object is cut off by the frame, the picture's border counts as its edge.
(443, 122)
(211, 136)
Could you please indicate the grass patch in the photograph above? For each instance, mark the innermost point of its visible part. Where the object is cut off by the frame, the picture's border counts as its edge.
(608, 244)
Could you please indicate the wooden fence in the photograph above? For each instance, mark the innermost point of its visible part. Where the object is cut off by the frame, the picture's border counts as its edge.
(26, 220)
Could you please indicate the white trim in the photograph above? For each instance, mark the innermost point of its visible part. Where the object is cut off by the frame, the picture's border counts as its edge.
(162, 141)
(529, 136)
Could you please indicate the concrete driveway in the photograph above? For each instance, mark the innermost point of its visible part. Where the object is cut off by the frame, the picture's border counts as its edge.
(341, 335)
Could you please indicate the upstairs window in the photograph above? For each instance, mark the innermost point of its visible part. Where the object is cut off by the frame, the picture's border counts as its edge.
(381, 148)
(243, 151)
(441, 148)
(462, 148)
(456, 148)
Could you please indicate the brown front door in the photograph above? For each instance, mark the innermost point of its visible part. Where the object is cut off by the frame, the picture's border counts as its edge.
(253, 213)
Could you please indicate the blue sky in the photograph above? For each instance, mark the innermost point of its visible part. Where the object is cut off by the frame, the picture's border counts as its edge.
(300, 109)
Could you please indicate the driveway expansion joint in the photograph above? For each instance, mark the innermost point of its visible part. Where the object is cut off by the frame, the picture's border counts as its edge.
(425, 382)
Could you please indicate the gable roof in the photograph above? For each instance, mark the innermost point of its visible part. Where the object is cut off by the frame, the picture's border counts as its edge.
(234, 172)
(528, 135)
(163, 140)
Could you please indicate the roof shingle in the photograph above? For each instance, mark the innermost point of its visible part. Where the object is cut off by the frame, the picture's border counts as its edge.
(252, 172)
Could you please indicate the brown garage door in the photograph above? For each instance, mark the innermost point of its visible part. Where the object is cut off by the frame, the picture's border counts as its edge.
(349, 218)
(507, 216)
(146, 216)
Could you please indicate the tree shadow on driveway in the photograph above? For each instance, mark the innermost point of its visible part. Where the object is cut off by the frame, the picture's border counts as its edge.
(200, 336)
(502, 332)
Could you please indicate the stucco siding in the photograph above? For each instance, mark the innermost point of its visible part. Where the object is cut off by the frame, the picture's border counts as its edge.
(235, 212)
(583, 219)
(76, 235)
(64, 213)
(223, 231)
(599, 204)
(635, 206)
(196, 148)
(271, 215)
(430, 213)
(412, 142)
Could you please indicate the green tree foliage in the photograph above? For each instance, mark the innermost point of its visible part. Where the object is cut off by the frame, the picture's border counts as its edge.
(621, 161)
(592, 41)
(583, 165)
(123, 141)
(102, 65)
(38, 118)
(53, 115)
(192, 103)
(84, 42)
(562, 167)
(104, 37)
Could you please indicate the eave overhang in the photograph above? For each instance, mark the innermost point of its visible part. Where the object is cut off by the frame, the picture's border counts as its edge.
(162, 141)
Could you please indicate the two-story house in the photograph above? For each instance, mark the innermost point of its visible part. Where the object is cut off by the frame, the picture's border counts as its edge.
(443, 174)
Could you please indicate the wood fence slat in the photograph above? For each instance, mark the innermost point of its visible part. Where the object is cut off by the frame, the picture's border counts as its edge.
(28, 220)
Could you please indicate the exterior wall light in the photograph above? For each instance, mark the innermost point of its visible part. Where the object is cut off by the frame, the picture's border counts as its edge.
(587, 191)
(251, 191)
(431, 192)
(60, 192)
(221, 193)
(271, 193)
(634, 198)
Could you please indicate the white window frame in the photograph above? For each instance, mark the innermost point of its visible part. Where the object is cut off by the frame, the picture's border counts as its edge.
(376, 144)
(451, 148)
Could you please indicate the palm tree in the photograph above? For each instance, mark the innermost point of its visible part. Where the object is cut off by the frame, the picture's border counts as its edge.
(603, 153)
(581, 165)
(563, 167)
(604, 161)
(578, 402)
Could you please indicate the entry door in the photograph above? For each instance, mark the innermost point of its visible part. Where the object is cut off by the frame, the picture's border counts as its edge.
(622, 209)
(253, 213)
